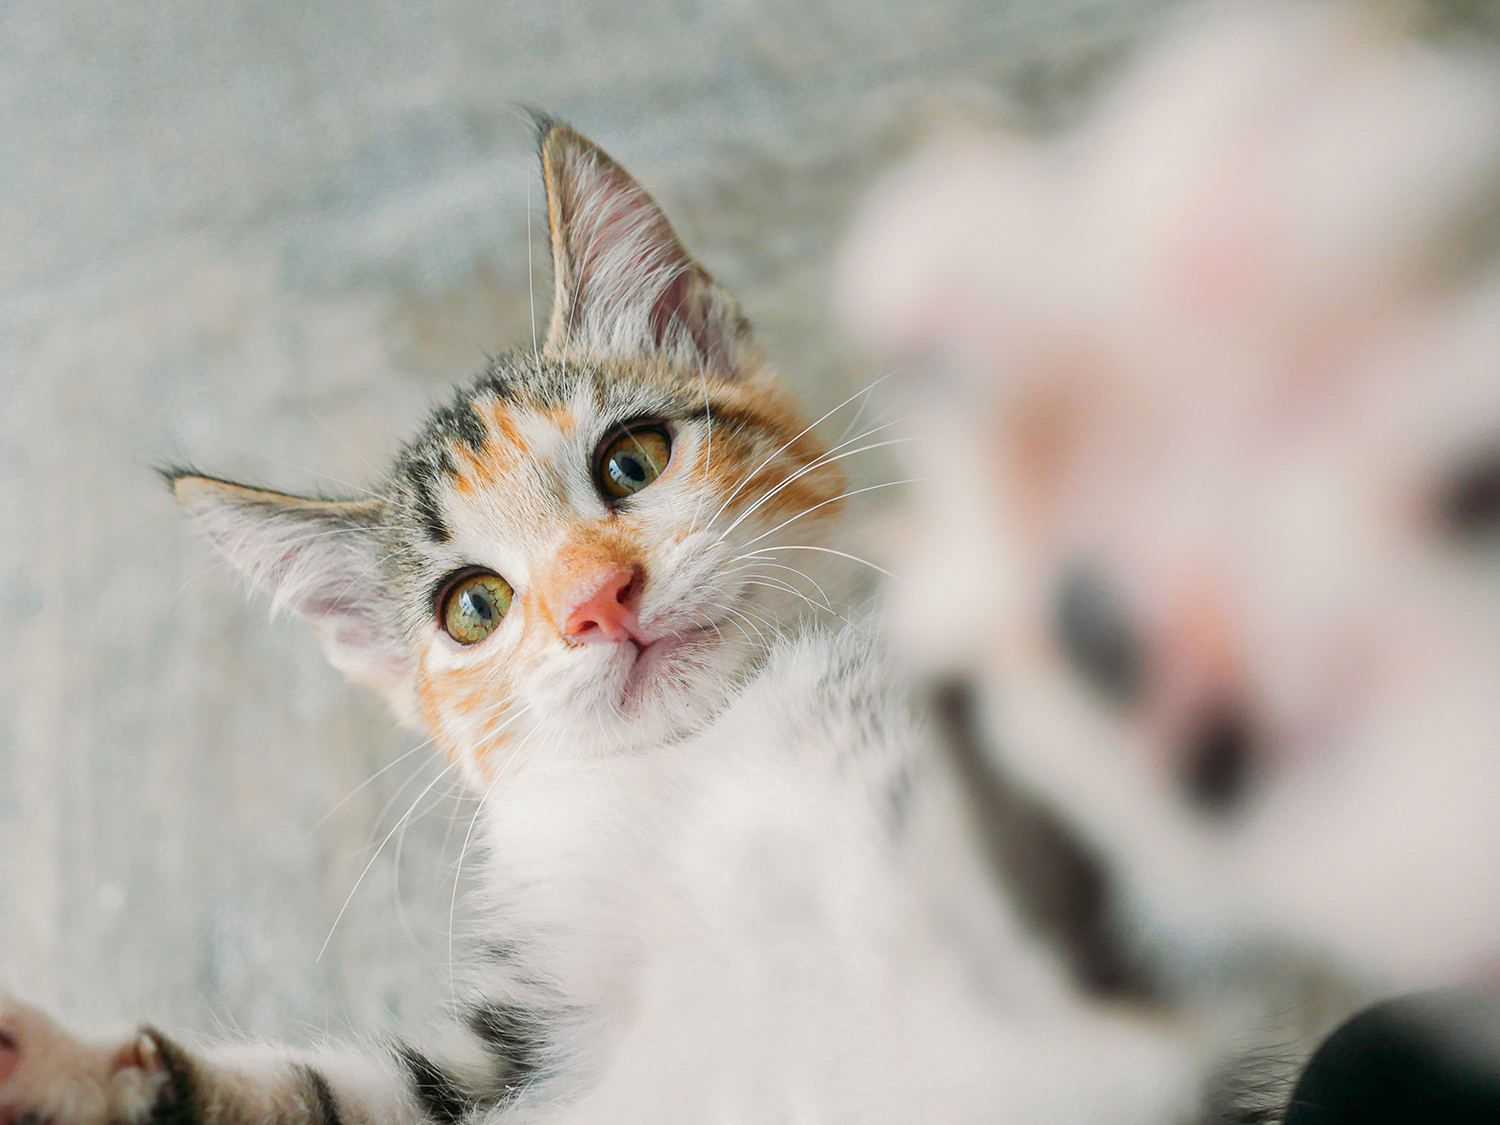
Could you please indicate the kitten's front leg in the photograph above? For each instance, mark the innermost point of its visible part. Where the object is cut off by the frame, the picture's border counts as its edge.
(48, 1076)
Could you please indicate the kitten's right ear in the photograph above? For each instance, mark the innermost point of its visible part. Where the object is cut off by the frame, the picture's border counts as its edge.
(319, 558)
(624, 284)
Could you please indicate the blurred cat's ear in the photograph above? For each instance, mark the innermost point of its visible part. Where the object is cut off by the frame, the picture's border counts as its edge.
(319, 558)
(624, 285)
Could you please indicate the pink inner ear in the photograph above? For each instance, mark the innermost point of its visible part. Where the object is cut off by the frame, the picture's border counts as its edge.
(671, 308)
(632, 283)
(687, 305)
(621, 244)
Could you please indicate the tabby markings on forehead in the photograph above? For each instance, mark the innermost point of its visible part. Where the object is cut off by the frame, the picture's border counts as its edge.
(460, 424)
(420, 469)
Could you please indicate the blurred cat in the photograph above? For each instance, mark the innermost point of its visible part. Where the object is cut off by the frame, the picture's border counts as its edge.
(1212, 388)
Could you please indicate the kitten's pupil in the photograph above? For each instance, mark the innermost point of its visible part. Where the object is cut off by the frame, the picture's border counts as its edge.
(479, 605)
(1220, 764)
(627, 470)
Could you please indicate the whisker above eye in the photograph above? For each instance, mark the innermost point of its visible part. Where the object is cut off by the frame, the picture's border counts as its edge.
(326, 429)
(824, 458)
(827, 459)
(800, 434)
(304, 469)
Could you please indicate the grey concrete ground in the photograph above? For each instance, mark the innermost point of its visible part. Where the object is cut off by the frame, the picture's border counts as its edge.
(260, 236)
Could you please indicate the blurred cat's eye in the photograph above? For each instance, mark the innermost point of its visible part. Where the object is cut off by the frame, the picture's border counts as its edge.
(631, 459)
(473, 604)
(1096, 633)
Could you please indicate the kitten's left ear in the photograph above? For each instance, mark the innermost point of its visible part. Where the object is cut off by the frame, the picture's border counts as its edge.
(624, 284)
(321, 559)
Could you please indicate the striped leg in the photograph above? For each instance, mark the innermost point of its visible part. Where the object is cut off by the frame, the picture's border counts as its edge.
(50, 1077)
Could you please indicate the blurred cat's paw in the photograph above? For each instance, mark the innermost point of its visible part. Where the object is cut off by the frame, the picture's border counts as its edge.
(50, 1077)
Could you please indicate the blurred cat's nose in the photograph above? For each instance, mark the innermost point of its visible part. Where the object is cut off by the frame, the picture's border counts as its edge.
(1174, 664)
(605, 610)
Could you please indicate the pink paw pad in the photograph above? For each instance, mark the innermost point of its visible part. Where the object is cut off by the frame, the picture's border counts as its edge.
(140, 1053)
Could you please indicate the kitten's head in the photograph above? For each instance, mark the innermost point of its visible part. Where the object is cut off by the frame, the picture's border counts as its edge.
(584, 551)
(1218, 484)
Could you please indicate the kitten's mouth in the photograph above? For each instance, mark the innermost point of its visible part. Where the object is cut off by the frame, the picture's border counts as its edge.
(661, 659)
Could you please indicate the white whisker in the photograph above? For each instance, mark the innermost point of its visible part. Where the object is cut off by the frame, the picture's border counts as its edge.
(827, 459)
(373, 858)
(827, 551)
(831, 500)
(303, 469)
(384, 476)
(322, 820)
(787, 445)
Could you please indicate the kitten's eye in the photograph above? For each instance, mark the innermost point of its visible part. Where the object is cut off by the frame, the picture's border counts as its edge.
(629, 461)
(1471, 501)
(473, 606)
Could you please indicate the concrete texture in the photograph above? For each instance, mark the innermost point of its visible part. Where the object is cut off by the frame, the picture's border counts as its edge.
(261, 237)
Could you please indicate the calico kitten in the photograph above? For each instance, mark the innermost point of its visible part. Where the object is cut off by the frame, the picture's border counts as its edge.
(725, 879)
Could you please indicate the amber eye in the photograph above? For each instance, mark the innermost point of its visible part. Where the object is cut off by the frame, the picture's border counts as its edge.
(473, 606)
(629, 461)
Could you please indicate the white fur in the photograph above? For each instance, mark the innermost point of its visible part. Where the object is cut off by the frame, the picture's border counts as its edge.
(747, 935)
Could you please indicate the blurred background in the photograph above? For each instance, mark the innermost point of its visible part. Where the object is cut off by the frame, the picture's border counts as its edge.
(261, 237)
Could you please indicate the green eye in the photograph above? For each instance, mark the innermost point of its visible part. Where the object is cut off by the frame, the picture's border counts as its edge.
(473, 606)
(628, 462)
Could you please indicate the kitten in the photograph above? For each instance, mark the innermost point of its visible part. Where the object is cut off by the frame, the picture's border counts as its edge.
(1216, 424)
(725, 876)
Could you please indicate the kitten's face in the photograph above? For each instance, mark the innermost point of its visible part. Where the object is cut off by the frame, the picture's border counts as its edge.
(1219, 469)
(587, 549)
(636, 599)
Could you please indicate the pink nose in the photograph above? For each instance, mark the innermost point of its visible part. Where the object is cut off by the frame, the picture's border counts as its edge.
(608, 612)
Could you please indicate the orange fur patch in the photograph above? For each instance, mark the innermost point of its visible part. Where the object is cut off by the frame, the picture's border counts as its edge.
(466, 710)
(503, 452)
(769, 461)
